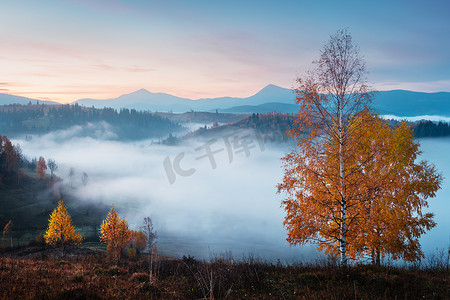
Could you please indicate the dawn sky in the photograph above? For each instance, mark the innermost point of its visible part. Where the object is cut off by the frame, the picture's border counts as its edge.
(64, 50)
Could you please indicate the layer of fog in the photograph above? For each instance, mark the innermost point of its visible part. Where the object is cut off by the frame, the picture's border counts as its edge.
(437, 152)
(432, 118)
(232, 207)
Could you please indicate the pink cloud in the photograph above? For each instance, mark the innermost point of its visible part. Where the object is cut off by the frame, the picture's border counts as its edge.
(134, 68)
(138, 69)
(104, 67)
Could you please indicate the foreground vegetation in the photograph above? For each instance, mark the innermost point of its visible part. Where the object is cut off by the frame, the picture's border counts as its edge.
(93, 276)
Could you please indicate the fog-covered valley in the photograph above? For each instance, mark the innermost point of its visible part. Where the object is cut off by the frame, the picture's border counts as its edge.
(202, 204)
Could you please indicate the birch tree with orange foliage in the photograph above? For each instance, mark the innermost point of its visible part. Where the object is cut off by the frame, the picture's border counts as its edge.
(317, 176)
(341, 189)
(60, 230)
(115, 233)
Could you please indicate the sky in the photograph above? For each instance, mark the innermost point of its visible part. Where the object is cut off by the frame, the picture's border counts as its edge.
(65, 50)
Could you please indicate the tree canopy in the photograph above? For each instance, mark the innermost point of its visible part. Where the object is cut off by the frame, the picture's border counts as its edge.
(11, 159)
(60, 229)
(41, 167)
(115, 233)
(395, 185)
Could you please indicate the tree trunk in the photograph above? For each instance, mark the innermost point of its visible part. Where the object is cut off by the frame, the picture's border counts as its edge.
(375, 256)
(343, 227)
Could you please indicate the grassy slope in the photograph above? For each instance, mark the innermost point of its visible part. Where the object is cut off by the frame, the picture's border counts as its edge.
(94, 277)
(30, 204)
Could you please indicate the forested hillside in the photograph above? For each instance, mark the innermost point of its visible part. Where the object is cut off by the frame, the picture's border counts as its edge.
(431, 129)
(270, 127)
(41, 119)
(274, 127)
(27, 197)
(11, 162)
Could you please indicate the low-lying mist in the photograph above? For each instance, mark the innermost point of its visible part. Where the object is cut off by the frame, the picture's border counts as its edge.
(229, 204)
(204, 204)
(437, 152)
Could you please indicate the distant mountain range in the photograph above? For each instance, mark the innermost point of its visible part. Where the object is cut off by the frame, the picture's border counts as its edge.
(271, 98)
(145, 100)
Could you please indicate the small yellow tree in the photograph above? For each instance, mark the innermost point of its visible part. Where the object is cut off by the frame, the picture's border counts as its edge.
(60, 230)
(115, 233)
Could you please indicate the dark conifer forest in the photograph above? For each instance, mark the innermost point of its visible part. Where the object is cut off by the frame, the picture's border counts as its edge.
(40, 119)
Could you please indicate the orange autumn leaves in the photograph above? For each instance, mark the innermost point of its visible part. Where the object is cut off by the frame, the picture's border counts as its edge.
(385, 187)
(115, 233)
(41, 167)
(395, 186)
